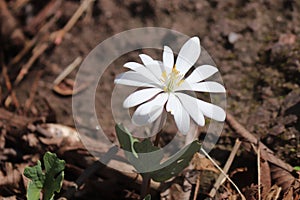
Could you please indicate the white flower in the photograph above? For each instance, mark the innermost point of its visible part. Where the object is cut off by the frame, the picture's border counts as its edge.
(164, 83)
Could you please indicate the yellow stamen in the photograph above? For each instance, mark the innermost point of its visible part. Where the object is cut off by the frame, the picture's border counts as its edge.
(171, 80)
(164, 75)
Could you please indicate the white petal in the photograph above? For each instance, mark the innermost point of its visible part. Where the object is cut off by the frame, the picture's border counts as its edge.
(188, 55)
(141, 69)
(150, 111)
(168, 59)
(140, 96)
(146, 59)
(191, 106)
(153, 65)
(158, 101)
(181, 117)
(207, 86)
(201, 73)
(134, 79)
(141, 120)
(133, 65)
(209, 110)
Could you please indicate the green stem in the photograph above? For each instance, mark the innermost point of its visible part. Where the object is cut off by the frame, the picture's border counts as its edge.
(145, 188)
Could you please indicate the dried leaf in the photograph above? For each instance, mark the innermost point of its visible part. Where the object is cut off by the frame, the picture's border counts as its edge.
(273, 194)
(202, 163)
(265, 176)
(289, 194)
(281, 177)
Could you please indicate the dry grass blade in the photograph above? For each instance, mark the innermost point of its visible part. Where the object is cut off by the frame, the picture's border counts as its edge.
(219, 168)
(221, 178)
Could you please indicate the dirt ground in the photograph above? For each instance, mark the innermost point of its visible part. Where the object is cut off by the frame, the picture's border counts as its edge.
(255, 45)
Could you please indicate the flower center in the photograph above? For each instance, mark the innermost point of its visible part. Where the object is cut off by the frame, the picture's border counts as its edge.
(172, 80)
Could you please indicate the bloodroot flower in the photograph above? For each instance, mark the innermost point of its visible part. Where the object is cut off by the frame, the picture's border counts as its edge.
(164, 85)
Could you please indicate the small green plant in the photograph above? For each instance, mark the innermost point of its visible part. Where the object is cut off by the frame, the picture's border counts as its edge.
(297, 168)
(136, 153)
(49, 181)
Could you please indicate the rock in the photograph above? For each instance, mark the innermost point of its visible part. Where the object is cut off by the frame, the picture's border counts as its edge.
(233, 37)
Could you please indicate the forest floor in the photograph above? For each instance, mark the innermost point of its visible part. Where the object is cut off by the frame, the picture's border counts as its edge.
(255, 45)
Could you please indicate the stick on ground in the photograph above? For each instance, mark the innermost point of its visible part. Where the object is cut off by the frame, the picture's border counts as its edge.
(221, 177)
(265, 152)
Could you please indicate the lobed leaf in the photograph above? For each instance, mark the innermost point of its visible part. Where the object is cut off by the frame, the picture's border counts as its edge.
(145, 157)
(50, 181)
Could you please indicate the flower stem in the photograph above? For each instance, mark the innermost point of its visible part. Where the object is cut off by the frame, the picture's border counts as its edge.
(145, 186)
(157, 138)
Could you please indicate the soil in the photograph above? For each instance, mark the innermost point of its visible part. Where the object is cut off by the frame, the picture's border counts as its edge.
(255, 45)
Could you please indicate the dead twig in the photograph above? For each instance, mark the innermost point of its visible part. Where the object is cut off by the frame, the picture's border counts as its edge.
(19, 4)
(9, 88)
(68, 70)
(221, 177)
(14, 120)
(58, 36)
(266, 153)
(37, 52)
(89, 12)
(33, 90)
(9, 26)
(43, 34)
(197, 187)
(45, 13)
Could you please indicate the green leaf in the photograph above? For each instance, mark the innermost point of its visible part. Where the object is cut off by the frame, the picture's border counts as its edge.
(33, 192)
(145, 146)
(125, 139)
(297, 168)
(149, 156)
(49, 182)
(176, 163)
(36, 185)
(148, 197)
(145, 157)
(54, 175)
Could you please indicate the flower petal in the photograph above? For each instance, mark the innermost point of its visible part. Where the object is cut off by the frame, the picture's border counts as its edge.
(201, 73)
(133, 65)
(191, 106)
(140, 96)
(158, 101)
(168, 59)
(208, 109)
(153, 65)
(150, 111)
(141, 69)
(141, 120)
(207, 86)
(181, 116)
(188, 55)
(134, 79)
(146, 59)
